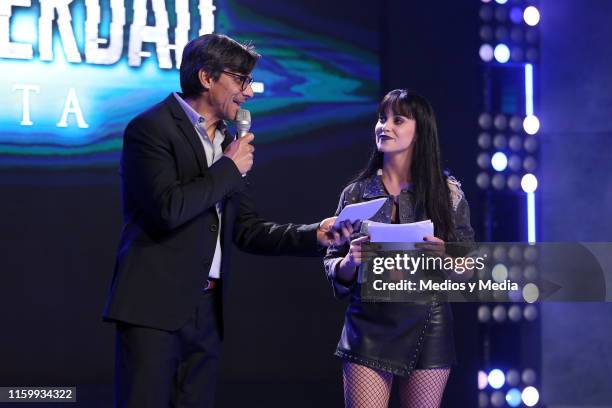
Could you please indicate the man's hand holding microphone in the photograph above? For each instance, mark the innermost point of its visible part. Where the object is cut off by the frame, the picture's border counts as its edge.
(241, 152)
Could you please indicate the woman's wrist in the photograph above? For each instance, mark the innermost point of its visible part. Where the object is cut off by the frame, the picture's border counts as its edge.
(346, 271)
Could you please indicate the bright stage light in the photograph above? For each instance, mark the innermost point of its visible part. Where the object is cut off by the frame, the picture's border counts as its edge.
(529, 183)
(531, 16)
(531, 124)
(501, 1)
(530, 396)
(502, 53)
(499, 161)
(531, 215)
(486, 52)
(496, 378)
(513, 397)
(482, 380)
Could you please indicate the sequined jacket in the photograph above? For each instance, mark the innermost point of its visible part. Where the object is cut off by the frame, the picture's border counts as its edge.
(373, 188)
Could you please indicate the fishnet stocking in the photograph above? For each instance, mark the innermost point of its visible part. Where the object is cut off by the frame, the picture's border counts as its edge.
(423, 388)
(365, 387)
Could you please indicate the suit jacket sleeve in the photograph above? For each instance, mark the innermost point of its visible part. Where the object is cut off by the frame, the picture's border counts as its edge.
(255, 235)
(334, 256)
(149, 172)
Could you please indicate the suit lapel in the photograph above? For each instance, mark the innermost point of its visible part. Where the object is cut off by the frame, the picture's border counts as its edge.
(189, 132)
(228, 138)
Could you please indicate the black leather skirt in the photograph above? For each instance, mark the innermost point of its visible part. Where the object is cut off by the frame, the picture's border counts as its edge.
(398, 337)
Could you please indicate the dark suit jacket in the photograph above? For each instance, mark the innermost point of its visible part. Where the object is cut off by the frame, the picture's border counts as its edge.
(170, 222)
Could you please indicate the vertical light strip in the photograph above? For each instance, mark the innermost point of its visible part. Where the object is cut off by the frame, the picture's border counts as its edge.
(528, 89)
(531, 230)
(531, 212)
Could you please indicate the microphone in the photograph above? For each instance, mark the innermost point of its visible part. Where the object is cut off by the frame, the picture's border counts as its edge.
(243, 122)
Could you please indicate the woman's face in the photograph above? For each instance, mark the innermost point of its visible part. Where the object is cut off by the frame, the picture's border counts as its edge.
(394, 133)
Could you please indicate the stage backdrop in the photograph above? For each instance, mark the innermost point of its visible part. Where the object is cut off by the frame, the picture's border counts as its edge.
(576, 193)
(73, 73)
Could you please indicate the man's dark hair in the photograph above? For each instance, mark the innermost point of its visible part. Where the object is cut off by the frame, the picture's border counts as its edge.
(214, 53)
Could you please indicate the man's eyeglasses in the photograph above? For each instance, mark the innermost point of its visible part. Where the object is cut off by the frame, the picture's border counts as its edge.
(246, 80)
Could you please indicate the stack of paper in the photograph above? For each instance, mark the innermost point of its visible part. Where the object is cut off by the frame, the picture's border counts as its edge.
(414, 232)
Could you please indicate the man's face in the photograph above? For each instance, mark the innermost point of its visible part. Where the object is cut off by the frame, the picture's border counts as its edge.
(226, 94)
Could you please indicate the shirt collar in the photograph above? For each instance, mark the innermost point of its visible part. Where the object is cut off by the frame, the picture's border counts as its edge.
(194, 117)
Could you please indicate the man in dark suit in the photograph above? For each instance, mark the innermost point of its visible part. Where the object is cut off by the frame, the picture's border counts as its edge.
(185, 201)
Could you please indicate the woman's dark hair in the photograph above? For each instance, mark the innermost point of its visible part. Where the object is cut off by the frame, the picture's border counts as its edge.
(214, 53)
(433, 199)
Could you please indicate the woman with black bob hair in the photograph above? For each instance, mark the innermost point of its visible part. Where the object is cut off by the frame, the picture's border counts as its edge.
(410, 342)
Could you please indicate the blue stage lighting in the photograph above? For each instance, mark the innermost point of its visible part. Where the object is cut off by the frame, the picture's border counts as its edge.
(482, 380)
(496, 378)
(530, 396)
(531, 124)
(516, 15)
(513, 397)
(529, 183)
(502, 53)
(531, 16)
(499, 161)
(486, 52)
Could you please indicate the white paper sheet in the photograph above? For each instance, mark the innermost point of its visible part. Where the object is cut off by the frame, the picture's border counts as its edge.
(414, 232)
(360, 211)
